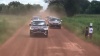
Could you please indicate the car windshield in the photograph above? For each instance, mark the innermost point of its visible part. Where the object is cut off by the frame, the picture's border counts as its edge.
(54, 19)
(38, 23)
(35, 17)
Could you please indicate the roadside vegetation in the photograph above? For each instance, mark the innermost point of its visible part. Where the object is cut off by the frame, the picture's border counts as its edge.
(9, 24)
(78, 23)
(17, 8)
(13, 16)
(73, 7)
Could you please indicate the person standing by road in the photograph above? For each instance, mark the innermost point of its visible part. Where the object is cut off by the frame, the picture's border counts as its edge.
(90, 31)
(86, 32)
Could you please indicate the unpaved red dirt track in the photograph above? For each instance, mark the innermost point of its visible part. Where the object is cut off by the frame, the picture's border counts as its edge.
(60, 42)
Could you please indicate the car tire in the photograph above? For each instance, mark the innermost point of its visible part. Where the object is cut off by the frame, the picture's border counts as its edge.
(46, 34)
(59, 27)
(50, 26)
(31, 34)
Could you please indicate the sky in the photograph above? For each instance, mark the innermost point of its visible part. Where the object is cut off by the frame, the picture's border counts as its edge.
(41, 2)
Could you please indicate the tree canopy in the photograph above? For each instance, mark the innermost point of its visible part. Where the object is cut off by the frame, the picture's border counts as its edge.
(73, 7)
(16, 7)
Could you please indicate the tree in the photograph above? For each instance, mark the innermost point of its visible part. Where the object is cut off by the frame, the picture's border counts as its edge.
(1, 6)
(94, 7)
(14, 3)
(70, 6)
(15, 7)
(84, 4)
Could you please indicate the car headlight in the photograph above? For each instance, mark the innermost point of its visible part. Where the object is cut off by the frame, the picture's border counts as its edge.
(31, 28)
(59, 22)
(45, 28)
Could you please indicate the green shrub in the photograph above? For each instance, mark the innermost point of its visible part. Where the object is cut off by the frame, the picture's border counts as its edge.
(3, 26)
(78, 23)
(9, 24)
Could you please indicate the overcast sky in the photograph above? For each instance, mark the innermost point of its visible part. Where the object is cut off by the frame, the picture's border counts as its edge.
(41, 2)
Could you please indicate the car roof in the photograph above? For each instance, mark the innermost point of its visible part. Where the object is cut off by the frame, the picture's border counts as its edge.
(35, 16)
(55, 18)
(39, 20)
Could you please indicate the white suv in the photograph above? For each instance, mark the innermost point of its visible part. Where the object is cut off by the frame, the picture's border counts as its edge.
(38, 26)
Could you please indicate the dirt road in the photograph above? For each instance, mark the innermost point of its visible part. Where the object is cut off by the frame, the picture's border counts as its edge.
(59, 43)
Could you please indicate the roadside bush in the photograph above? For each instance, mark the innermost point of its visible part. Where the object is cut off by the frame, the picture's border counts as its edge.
(3, 26)
(78, 23)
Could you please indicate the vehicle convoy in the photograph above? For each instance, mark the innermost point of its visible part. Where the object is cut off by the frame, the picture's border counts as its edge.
(54, 22)
(38, 27)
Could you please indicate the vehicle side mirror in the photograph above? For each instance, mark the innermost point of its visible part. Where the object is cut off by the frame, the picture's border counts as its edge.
(47, 25)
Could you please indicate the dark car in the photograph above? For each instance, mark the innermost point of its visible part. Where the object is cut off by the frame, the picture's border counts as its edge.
(54, 22)
(38, 26)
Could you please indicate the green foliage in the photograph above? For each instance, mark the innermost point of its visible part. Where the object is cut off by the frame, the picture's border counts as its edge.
(3, 26)
(14, 4)
(72, 7)
(1, 7)
(78, 23)
(15, 7)
(9, 24)
(84, 4)
(94, 7)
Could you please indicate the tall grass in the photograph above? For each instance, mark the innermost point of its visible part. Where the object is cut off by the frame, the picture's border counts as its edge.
(9, 24)
(78, 23)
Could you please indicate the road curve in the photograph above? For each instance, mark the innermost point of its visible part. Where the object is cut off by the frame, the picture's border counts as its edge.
(60, 42)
